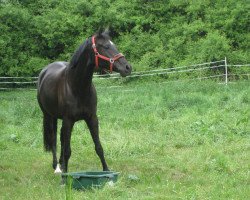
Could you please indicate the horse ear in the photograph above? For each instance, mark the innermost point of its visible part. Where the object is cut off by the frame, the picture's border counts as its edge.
(103, 32)
(106, 31)
(99, 31)
(112, 32)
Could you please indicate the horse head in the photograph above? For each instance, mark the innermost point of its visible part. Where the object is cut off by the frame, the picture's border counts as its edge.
(106, 52)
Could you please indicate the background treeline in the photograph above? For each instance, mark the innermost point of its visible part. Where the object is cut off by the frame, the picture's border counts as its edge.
(152, 34)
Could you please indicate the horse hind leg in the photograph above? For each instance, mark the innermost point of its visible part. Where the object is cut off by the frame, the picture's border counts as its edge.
(67, 126)
(56, 165)
(50, 138)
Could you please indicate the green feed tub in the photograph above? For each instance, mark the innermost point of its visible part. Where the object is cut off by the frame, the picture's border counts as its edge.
(87, 180)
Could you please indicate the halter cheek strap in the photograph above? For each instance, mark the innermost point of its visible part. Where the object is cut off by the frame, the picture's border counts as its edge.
(110, 60)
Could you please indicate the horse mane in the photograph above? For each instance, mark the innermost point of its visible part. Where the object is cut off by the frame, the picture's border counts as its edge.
(76, 56)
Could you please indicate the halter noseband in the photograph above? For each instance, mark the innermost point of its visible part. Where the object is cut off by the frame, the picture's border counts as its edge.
(110, 60)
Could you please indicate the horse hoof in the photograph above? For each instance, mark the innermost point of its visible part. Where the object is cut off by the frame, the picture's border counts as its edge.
(106, 169)
(58, 170)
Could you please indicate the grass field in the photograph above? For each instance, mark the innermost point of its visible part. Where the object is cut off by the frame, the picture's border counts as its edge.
(186, 140)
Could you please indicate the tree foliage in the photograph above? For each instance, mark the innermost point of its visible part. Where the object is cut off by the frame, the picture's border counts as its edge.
(151, 34)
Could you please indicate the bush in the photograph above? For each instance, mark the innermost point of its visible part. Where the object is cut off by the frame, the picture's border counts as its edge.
(151, 34)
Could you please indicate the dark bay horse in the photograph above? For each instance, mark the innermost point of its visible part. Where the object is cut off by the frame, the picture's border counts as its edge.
(66, 92)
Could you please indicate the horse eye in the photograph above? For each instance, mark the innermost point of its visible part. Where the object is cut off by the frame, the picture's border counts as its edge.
(106, 46)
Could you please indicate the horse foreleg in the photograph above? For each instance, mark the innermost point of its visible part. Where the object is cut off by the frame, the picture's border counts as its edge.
(93, 126)
(66, 129)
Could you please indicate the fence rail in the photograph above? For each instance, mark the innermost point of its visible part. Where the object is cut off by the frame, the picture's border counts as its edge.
(225, 70)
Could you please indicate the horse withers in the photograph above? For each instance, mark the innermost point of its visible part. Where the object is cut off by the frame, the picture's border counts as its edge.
(66, 92)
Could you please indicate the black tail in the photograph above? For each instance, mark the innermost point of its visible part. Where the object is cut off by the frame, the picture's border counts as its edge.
(49, 132)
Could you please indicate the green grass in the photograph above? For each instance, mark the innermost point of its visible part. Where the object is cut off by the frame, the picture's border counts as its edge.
(182, 140)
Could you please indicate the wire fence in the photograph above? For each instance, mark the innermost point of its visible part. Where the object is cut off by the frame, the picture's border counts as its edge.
(218, 70)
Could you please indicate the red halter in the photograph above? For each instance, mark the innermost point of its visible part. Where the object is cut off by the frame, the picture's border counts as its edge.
(110, 60)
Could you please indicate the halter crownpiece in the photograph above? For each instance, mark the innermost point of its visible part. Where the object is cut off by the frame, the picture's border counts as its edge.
(110, 60)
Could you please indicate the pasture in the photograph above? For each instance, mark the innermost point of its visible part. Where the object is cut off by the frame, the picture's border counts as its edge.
(185, 140)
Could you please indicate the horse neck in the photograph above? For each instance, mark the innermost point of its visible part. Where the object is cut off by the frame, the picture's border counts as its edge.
(80, 77)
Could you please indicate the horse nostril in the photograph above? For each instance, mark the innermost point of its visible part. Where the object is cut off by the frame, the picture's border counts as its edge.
(128, 67)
